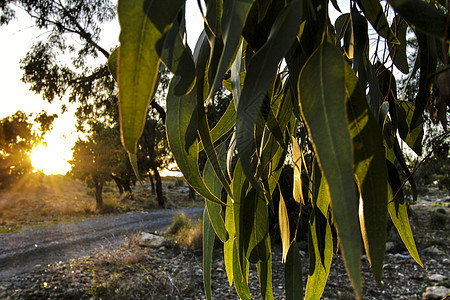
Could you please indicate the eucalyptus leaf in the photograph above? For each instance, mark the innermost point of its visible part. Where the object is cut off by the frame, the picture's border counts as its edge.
(322, 102)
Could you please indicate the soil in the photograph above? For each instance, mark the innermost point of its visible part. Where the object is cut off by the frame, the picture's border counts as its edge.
(175, 272)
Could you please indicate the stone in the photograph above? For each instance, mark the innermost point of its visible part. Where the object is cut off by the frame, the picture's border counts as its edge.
(145, 239)
(437, 278)
(436, 293)
(390, 246)
(433, 251)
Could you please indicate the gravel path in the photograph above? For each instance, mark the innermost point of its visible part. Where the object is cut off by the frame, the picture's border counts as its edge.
(31, 249)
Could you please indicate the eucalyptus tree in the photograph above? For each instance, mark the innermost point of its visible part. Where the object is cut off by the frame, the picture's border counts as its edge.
(74, 29)
(291, 68)
(17, 139)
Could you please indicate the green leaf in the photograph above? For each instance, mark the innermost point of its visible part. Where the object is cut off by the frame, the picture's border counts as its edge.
(423, 16)
(181, 123)
(297, 160)
(398, 52)
(260, 72)
(225, 124)
(233, 18)
(240, 278)
(398, 212)
(283, 221)
(320, 239)
(228, 245)
(265, 274)
(144, 25)
(214, 209)
(411, 135)
(370, 168)
(374, 13)
(208, 247)
(254, 220)
(322, 102)
(203, 127)
(320, 253)
(293, 274)
(177, 57)
(112, 63)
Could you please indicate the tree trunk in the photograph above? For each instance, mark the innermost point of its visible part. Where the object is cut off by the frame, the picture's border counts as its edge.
(192, 193)
(98, 195)
(118, 183)
(159, 191)
(152, 182)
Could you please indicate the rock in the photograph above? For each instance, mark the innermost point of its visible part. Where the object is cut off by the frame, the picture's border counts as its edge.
(390, 246)
(437, 278)
(438, 220)
(441, 210)
(436, 293)
(433, 251)
(145, 239)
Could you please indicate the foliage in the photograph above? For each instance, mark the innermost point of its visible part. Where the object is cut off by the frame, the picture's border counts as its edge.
(290, 67)
(95, 159)
(17, 139)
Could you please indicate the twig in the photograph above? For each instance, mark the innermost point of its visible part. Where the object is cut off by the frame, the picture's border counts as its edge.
(441, 139)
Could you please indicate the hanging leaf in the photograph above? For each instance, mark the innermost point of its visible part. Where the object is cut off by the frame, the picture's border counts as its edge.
(423, 16)
(283, 221)
(144, 25)
(208, 247)
(297, 160)
(177, 57)
(112, 63)
(265, 274)
(233, 18)
(398, 212)
(374, 13)
(293, 274)
(322, 102)
(320, 253)
(181, 123)
(254, 220)
(370, 170)
(225, 124)
(398, 52)
(320, 238)
(411, 135)
(260, 72)
(240, 278)
(214, 209)
(228, 245)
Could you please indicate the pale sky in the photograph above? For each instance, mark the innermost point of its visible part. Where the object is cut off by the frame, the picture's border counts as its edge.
(17, 38)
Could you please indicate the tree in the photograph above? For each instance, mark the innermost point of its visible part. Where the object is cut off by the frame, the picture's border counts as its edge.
(73, 29)
(95, 159)
(295, 76)
(17, 139)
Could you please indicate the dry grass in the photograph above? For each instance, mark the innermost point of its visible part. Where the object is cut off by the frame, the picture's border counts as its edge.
(186, 233)
(40, 199)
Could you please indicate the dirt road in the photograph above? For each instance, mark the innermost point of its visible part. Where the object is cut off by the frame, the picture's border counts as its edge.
(25, 251)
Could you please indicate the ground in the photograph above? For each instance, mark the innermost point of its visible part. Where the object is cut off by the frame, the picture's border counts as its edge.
(175, 271)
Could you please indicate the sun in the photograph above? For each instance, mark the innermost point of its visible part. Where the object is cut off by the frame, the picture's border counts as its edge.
(51, 159)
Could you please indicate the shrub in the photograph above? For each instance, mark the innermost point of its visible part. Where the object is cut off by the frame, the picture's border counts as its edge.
(179, 221)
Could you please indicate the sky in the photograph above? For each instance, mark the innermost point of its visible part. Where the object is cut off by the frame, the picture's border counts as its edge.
(17, 38)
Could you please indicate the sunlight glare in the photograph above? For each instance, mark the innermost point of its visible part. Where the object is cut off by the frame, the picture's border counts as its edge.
(51, 159)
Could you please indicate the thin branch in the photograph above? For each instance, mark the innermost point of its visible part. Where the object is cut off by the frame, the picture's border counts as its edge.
(441, 139)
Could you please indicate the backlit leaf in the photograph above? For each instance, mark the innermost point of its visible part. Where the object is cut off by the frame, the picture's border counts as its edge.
(260, 72)
(283, 221)
(374, 13)
(208, 246)
(144, 25)
(370, 169)
(320, 239)
(182, 119)
(411, 134)
(398, 52)
(265, 274)
(293, 274)
(322, 102)
(398, 212)
(228, 245)
(297, 160)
